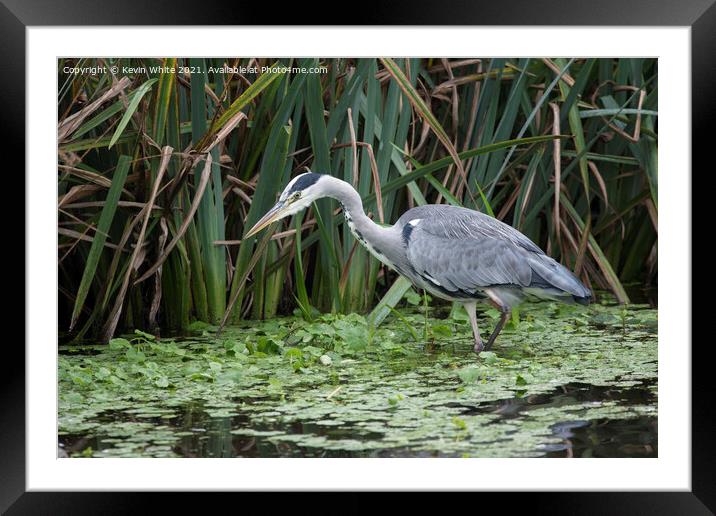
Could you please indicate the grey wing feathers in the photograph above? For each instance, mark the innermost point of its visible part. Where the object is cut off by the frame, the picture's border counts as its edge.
(462, 249)
(455, 222)
(547, 270)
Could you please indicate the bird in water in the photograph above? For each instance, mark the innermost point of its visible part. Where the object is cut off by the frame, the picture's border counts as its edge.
(454, 253)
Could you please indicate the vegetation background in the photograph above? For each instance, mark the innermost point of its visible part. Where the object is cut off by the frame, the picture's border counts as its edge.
(161, 170)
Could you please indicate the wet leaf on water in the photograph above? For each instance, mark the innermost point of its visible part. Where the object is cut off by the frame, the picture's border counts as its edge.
(460, 423)
(162, 382)
(144, 335)
(441, 330)
(395, 399)
(413, 297)
(489, 357)
(134, 355)
(116, 344)
(470, 374)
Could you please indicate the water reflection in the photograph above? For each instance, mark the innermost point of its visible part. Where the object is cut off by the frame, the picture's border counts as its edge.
(200, 435)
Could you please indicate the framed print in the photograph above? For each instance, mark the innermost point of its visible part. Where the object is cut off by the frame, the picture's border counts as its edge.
(360, 257)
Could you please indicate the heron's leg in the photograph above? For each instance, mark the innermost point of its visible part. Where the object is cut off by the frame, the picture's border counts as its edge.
(505, 314)
(505, 311)
(470, 309)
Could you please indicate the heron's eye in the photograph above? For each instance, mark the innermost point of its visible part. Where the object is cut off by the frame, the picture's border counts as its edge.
(296, 197)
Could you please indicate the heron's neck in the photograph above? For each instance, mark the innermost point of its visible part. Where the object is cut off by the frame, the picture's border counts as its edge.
(363, 228)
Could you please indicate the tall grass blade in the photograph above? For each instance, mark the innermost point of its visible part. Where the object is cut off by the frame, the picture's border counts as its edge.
(131, 108)
(390, 299)
(105, 220)
(134, 261)
(424, 112)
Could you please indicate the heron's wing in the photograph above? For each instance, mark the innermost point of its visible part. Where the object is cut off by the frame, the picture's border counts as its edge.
(464, 250)
(461, 252)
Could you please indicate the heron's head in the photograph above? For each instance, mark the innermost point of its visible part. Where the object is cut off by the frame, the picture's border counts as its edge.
(298, 195)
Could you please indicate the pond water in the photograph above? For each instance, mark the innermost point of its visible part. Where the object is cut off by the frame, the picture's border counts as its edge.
(561, 381)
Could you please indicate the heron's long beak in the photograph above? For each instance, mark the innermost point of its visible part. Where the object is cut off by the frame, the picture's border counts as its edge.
(272, 215)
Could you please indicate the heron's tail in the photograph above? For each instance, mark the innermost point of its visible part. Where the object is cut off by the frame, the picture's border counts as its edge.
(553, 280)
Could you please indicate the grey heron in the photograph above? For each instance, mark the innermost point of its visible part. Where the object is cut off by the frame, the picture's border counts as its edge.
(454, 253)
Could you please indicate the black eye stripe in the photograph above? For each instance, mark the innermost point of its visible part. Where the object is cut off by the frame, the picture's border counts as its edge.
(304, 182)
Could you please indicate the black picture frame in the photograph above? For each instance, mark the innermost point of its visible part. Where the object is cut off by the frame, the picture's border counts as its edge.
(700, 15)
